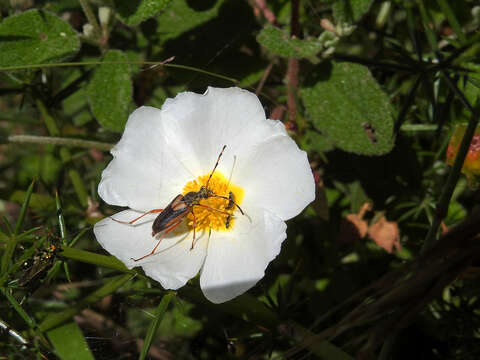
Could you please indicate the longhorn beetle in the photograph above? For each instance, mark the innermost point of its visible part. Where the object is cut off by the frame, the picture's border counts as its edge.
(172, 216)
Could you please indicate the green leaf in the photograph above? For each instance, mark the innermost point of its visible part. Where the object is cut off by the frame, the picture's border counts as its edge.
(37, 201)
(350, 10)
(177, 323)
(180, 17)
(133, 12)
(347, 105)
(23, 210)
(69, 342)
(280, 43)
(314, 141)
(470, 83)
(89, 257)
(36, 37)
(12, 243)
(55, 319)
(110, 91)
(456, 213)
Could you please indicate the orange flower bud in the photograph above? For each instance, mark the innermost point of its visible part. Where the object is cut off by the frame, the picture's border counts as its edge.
(471, 165)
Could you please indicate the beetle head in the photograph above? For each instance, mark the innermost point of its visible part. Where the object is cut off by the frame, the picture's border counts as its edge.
(205, 192)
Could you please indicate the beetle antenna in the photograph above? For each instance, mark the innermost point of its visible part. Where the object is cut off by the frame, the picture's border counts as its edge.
(216, 164)
(231, 171)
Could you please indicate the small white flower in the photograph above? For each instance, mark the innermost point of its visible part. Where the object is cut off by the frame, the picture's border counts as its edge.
(172, 151)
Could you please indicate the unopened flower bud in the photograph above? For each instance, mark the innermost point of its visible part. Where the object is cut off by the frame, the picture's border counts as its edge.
(88, 30)
(104, 14)
(471, 165)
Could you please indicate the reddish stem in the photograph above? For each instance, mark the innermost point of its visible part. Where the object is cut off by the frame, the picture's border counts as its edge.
(269, 15)
(264, 78)
(292, 71)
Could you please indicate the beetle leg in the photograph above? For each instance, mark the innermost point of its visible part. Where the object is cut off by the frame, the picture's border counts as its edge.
(166, 231)
(194, 226)
(138, 218)
(230, 200)
(213, 209)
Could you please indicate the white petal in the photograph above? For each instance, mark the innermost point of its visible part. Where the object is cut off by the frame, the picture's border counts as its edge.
(197, 126)
(173, 263)
(144, 174)
(276, 175)
(236, 260)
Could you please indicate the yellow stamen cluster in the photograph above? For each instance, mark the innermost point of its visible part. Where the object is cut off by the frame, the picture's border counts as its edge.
(214, 218)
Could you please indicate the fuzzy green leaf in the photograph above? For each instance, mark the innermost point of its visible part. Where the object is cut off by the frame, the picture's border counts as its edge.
(110, 91)
(280, 43)
(313, 141)
(69, 342)
(36, 37)
(180, 17)
(350, 10)
(134, 12)
(347, 105)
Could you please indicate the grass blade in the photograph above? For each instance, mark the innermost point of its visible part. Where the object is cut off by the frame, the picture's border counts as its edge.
(452, 19)
(12, 243)
(152, 329)
(96, 259)
(26, 255)
(53, 320)
(69, 342)
(24, 208)
(18, 308)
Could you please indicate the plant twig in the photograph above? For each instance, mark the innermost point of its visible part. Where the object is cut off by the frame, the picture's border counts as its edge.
(292, 71)
(269, 15)
(91, 18)
(87, 63)
(62, 141)
(264, 78)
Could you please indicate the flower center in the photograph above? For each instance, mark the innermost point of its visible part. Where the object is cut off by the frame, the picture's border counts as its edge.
(216, 213)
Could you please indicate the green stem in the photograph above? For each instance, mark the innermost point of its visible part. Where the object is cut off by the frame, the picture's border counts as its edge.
(52, 140)
(47, 118)
(428, 25)
(65, 155)
(383, 14)
(91, 18)
(87, 63)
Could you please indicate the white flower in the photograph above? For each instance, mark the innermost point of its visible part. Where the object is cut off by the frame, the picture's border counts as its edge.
(172, 151)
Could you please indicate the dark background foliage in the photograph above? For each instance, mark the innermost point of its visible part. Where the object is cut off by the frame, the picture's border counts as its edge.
(384, 264)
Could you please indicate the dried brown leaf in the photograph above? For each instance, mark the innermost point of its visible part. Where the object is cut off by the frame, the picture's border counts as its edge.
(386, 235)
